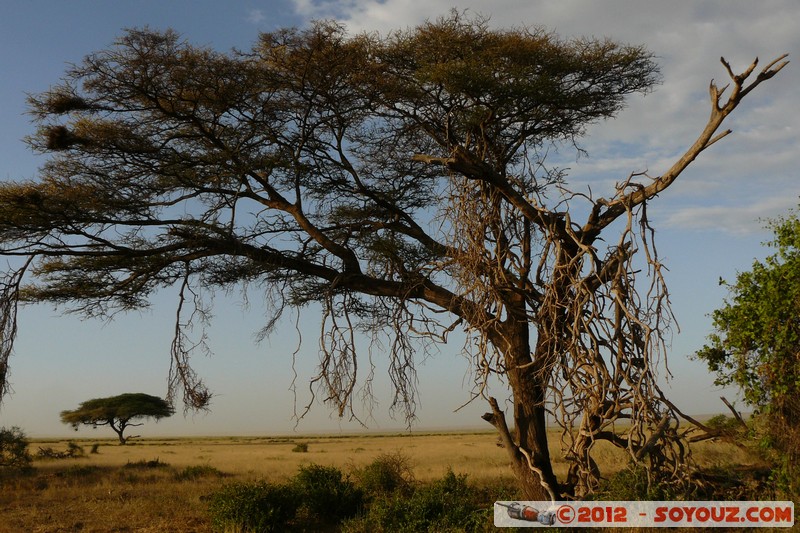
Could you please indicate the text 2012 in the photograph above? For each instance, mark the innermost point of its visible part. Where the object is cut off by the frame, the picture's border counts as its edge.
(602, 514)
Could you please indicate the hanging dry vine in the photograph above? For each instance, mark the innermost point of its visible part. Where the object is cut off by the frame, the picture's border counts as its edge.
(181, 374)
(9, 302)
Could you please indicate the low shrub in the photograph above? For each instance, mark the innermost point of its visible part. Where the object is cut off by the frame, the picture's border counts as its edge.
(388, 473)
(725, 424)
(14, 448)
(252, 507)
(447, 505)
(300, 447)
(47, 452)
(326, 493)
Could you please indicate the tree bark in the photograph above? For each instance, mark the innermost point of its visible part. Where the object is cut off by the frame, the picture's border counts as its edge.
(532, 466)
(118, 430)
(527, 448)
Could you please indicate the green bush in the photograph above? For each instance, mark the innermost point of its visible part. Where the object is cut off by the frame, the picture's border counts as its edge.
(447, 505)
(326, 493)
(388, 473)
(253, 507)
(725, 424)
(14, 448)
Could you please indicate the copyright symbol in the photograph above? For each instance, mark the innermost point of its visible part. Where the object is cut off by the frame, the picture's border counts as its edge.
(566, 514)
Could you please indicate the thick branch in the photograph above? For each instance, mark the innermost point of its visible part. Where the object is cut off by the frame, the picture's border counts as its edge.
(498, 419)
(719, 111)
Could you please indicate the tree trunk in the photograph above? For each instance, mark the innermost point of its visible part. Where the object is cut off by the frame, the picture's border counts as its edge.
(531, 437)
(528, 450)
(118, 430)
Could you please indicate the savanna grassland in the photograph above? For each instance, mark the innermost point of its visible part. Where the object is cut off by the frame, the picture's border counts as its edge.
(164, 485)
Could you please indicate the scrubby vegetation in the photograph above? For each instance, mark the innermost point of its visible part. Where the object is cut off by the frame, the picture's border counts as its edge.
(389, 473)
(253, 507)
(324, 498)
(445, 482)
(73, 451)
(448, 504)
(13, 448)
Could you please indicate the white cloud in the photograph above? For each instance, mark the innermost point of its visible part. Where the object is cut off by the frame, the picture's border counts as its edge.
(255, 16)
(732, 219)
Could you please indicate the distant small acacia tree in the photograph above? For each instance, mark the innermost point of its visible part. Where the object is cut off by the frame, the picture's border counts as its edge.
(118, 412)
(398, 183)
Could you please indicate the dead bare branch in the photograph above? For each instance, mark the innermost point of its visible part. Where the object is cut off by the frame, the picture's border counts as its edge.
(736, 414)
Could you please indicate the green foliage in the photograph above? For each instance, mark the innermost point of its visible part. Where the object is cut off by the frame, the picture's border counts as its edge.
(325, 492)
(388, 473)
(322, 497)
(123, 407)
(13, 448)
(447, 505)
(756, 343)
(725, 424)
(253, 507)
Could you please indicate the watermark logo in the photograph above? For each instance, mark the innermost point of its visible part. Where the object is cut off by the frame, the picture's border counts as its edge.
(746, 514)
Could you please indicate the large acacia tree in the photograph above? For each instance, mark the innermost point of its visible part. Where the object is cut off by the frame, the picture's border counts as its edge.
(398, 182)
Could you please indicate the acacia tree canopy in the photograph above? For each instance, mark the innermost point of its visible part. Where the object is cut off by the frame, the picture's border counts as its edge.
(400, 182)
(118, 412)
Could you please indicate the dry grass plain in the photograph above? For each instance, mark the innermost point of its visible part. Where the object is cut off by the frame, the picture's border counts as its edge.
(161, 485)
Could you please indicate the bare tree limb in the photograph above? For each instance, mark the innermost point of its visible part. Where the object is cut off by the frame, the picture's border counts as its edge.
(736, 413)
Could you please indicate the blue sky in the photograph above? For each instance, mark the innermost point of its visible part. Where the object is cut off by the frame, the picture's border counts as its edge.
(708, 222)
